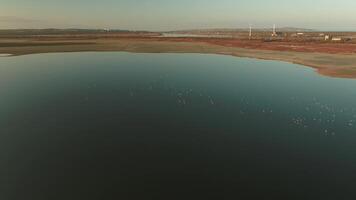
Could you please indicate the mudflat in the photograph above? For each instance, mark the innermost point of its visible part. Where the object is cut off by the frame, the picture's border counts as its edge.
(330, 59)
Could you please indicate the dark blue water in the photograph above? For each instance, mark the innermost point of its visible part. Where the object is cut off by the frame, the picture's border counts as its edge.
(173, 126)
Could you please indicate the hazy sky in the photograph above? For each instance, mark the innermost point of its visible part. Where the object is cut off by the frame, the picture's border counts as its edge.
(177, 14)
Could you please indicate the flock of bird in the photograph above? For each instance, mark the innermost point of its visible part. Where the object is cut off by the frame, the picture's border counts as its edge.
(308, 114)
(330, 118)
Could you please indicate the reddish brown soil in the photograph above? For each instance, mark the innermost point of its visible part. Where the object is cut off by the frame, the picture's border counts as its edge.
(293, 46)
(316, 47)
(332, 48)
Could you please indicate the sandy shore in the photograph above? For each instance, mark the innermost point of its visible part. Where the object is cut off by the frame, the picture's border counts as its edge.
(5, 55)
(329, 60)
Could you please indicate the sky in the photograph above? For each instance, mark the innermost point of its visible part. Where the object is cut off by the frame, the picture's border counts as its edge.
(165, 15)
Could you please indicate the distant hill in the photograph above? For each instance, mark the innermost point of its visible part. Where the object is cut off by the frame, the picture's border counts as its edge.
(101, 31)
(293, 29)
(62, 31)
(230, 30)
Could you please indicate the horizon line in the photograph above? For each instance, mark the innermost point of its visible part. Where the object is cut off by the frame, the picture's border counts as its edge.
(176, 30)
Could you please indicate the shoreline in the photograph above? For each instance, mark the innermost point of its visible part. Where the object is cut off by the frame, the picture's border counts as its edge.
(340, 65)
(5, 55)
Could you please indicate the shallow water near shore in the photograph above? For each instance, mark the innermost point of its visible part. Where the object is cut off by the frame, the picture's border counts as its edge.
(173, 126)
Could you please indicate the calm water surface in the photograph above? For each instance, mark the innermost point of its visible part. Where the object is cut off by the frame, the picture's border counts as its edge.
(173, 126)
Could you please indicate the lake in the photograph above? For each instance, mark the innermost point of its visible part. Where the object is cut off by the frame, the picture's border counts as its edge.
(173, 126)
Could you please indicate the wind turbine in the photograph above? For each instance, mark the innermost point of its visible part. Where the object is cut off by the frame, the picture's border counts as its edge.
(274, 34)
(250, 34)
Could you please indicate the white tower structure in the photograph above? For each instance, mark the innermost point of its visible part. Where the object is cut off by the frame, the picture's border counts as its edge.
(274, 33)
(250, 34)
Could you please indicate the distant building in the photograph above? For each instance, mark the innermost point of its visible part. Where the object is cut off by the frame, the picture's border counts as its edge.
(327, 37)
(279, 34)
(336, 39)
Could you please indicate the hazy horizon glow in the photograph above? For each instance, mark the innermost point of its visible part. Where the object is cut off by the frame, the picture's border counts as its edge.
(161, 15)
